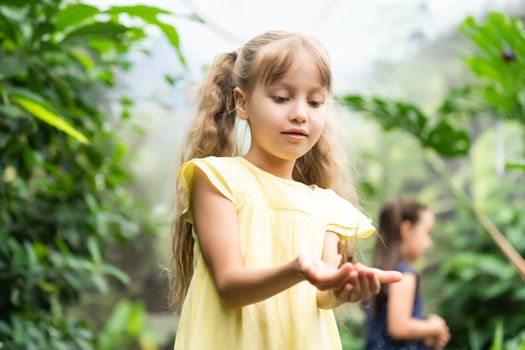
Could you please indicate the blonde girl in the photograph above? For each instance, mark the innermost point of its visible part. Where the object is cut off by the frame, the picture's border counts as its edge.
(255, 254)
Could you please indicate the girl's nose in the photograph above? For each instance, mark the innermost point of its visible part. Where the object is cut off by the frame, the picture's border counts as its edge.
(299, 113)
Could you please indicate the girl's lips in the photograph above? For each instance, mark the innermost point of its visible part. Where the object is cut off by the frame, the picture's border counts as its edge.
(298, 131)
(295, 136)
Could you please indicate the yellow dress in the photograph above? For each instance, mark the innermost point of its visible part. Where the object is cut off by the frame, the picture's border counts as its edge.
(277, 219)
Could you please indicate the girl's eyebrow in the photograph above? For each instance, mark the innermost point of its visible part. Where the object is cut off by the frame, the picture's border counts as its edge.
(286, 86)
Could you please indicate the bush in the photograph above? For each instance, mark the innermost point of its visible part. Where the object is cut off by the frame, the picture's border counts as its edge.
(62, 183)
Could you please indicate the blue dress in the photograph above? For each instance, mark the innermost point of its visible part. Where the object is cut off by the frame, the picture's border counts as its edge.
(377, 337)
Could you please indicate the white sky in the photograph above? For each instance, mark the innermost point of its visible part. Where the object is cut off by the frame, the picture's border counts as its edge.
(356, 33)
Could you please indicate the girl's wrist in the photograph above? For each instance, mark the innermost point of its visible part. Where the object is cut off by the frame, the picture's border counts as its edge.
(297, 270)
(327, 299)
(436, 324)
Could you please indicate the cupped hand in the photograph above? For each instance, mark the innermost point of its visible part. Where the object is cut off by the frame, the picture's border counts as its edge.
(350, 282)
(365, 282)
(442, 338)
(322, 275)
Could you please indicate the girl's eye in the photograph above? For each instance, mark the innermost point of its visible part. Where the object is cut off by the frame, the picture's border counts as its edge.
(280, 99)
(314, 103)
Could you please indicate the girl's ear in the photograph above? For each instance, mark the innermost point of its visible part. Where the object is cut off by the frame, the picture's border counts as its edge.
(240, 103)
(405, 229)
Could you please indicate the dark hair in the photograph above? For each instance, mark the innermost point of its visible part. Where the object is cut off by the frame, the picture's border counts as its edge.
(387, 251)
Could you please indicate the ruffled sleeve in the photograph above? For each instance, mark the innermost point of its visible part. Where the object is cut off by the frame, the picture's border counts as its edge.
(216, 172)
(344, 218)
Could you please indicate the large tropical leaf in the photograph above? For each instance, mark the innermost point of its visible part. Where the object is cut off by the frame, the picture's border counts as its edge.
(43, 112)
(74, 14)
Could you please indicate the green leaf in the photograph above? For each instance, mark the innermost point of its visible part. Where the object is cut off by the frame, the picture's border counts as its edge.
(83, 57)
(137, 319)
(13, 111)
(171, 79)
(149, 15)
(391, 114)
(472, 336)
(44, 113)
(519, 294)
(484, 67)
(12, 65)
(497, 342)
(515, 165)
(74, 14)
(100, 283)
(117, 273)
(173, 37)
(102, 29)
(143, 11)
(448, 141)
(118, 320)
(61, 244)
(94, 250)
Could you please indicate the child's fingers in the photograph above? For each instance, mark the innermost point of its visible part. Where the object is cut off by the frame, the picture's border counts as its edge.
(363, 284)
(346, 292)
(357, 288)
(371, 281)
(387, 276)
(375, 284)
(350, 288)
(344, 274)
(347, 275)
(333, 278)
(368, 282)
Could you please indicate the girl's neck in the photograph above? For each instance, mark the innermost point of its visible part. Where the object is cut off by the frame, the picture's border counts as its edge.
(409, 260)
(271, 164)
(403, 254)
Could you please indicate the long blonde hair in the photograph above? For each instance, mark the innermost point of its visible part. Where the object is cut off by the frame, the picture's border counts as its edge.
(263, 60)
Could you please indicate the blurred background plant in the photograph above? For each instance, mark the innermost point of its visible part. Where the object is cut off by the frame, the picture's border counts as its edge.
(474, 272)
(66, 196)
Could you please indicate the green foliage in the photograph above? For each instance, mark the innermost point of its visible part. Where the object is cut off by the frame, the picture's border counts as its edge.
(516, 343)
(126, 324)
(478, 286)
(63, 187)
(499, 62)
(497, 342)
(442, 136)
(474, 286)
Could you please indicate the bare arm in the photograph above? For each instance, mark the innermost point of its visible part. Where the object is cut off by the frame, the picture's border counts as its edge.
(215, 220)
(401, 325)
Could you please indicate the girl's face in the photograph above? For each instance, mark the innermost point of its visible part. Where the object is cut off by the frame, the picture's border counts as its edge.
(417, 237)
(286, 119)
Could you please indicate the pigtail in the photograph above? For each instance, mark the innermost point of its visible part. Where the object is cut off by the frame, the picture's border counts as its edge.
(212, 133)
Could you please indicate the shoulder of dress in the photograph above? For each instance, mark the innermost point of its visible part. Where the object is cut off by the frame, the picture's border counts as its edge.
(216, 162)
